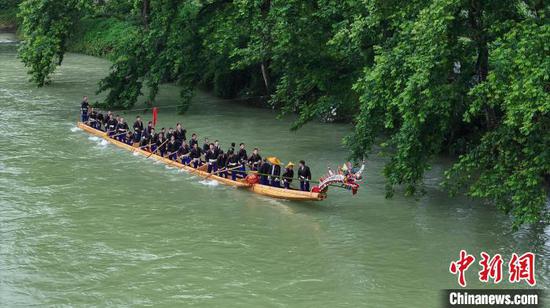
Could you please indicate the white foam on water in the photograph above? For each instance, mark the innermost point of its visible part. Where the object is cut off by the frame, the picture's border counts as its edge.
(93, 138)
(135, 153)
(103, 142)
(209, 182)
(75, 129)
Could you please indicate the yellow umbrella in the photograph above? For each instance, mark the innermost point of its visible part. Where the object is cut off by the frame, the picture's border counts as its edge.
(273, 160)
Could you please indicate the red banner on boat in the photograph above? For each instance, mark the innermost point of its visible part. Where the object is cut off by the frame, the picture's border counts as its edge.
(155, 115)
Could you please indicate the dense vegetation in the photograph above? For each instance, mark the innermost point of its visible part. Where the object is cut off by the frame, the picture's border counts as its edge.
(419, 78)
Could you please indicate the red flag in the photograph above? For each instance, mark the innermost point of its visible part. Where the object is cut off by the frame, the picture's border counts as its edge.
(155, 115)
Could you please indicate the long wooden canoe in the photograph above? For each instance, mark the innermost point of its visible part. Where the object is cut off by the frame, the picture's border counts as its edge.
(270, 191)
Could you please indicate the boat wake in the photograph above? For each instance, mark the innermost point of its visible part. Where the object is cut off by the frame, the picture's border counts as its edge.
(93, 138)
(209, 182)
(76, 129)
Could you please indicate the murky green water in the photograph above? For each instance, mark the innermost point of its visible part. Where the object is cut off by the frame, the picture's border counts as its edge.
(85, 223)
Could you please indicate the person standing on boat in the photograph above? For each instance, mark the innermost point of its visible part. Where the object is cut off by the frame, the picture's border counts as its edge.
(148, 129)
(106, 118)
(304, 174)
(147, 140)
(179, 133)
(217, 147)
(184, 152)
(84, 106)
(194, 140)
(243, 159)
(195, 155)
(263, 170)
(169, 133)
(172, 148)
(211, 159)
(255, 160)
(121, 129)
(274, 171)
(288, 175)
(138, 129)
(231, 148)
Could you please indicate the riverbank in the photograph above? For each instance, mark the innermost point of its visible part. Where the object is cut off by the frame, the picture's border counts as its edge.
(8, 20)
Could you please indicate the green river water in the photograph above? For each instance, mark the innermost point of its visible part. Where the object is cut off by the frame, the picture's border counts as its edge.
(83, 223)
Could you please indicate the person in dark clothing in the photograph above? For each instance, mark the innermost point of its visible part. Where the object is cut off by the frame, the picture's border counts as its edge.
(147, 139)
(263, 170)
(129, 138)
(288, 175)
(160, 146)
(179, 133)
(172, 148)
(94, 123)
(121, 129)
(205, 145)
(138, 129)
(110, 126)
(195, 155)
(84, 106)
(148, 129)
(274, 174)
(242, 157)
(254, 160)
(193, 140)
(211, 159)
(169, 133)
(222, 164)
(100, 120)
(233, 163)
(231, 148)
(184, 152)
(304, 174)
(217, 147)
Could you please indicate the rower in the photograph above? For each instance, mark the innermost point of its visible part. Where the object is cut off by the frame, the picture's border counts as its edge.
(149, 128)
(242, 158)
(184, 152)
(217, 147)
(222, 163)
(304, 174)
(100, 120)
(180, 134)
(211, 159)
(172, 148)
(110, 126)
(195, 156)
(231, 148)
(205, 146)
(169, 133)
(147, 139)
(93, 118)
(121, 129)
(106, 118)
(194, 140)
(264, 172)
(288, 175)
(254, 160)
(129, 138)
(233, 163)
(84, 106)
(160, 145)
(138, 129)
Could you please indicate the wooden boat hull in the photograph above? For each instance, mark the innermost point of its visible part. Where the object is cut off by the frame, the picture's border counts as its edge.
(274, 192)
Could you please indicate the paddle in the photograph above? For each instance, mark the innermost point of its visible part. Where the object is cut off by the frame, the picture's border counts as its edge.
(221, 170)
(157, 148)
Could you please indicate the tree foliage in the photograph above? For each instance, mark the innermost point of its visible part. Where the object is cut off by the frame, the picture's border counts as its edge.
(420, 78)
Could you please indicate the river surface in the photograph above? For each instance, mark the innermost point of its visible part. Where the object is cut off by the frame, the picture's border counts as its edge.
(83, 223)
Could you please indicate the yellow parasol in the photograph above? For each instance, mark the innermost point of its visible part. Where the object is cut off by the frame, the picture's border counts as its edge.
(273, 160)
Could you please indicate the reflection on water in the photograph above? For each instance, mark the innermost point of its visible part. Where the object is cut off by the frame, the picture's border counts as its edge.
(85, 223)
